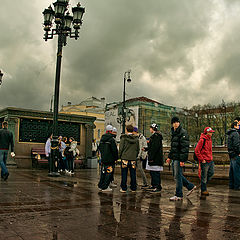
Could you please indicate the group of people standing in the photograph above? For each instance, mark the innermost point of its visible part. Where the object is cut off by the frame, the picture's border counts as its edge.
(67, 151)
(134, 149)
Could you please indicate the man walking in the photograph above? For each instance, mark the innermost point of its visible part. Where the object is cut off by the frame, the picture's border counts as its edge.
(141, 156)
(128, 153)
(109, 154)
(203, 153)
(6, 139)
(179, 154)
(234, 155)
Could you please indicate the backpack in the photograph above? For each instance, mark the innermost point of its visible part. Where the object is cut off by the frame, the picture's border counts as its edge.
(194, 155)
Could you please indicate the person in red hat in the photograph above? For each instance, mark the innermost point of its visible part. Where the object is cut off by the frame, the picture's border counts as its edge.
(203, 152)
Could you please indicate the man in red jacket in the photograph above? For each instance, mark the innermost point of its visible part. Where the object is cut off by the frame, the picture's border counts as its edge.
(203, 152)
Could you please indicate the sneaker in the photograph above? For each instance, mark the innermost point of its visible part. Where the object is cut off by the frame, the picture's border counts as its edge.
(133, 190)
(123, 191)
(5, 176)
(145, 186)
(190, 191)
(107, 190)
(155, 190)
(149, 188)
(205, 193)
(175, 198)
(113, 185)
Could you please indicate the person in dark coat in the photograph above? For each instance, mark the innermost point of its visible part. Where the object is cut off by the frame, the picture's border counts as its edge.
(155, 158)
(179, 154)
(6, 140)
(234, 155)
(109, 154)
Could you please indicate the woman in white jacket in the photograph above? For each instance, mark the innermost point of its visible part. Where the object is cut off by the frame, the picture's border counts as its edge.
(75, 151)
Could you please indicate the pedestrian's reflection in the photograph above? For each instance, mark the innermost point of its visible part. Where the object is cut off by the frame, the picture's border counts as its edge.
(153, 230)
(175, 231)
(107, 223)
(200, 226)
(231, 225)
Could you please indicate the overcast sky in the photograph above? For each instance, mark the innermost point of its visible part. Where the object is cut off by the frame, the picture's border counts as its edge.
(181, 53)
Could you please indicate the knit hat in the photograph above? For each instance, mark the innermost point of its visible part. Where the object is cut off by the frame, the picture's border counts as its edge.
(154, 126)
(175, 119)
(109, 128)
(135, 129)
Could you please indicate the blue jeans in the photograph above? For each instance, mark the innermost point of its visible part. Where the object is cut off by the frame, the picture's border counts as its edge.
(207, 171)
(132, 166)
(234, 173)
(3, 160)
(180, 179)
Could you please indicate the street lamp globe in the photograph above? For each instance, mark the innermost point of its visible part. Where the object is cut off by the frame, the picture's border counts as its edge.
(68, 21)
(60, 7)
(78, 12)
(48, 14)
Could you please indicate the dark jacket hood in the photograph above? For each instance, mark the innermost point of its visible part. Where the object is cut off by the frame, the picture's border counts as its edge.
(130, 138)
(231, 131)
(106, 137)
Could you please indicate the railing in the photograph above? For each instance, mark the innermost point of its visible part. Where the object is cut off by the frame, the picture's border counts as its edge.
(194, 164)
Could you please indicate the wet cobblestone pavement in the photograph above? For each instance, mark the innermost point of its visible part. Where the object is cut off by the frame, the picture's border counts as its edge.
(36, 207)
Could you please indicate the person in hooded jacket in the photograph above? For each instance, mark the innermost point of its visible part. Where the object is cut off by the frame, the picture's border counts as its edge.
(179, 154)
(109, 154)
(128, 153)
(234, 155)
(141, 156)
(203, 152)
(155, 158)
(73, 149)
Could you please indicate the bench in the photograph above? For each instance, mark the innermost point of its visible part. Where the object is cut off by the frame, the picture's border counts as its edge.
(38, 157)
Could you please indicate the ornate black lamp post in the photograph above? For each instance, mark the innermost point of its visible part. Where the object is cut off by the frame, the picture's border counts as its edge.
(127, 78)
(1, 75)
(225, 121)
(63, 29)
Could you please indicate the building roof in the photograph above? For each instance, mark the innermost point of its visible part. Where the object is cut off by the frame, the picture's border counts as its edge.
(143, 99)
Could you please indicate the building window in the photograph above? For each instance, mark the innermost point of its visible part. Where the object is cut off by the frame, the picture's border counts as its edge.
(38, 130)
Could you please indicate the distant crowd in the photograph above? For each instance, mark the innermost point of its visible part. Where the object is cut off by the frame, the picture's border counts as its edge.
(67, 152)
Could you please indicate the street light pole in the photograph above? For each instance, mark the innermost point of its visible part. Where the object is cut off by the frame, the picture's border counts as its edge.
(63, 29)
(225, 122)
(127, 78)
(1, 75)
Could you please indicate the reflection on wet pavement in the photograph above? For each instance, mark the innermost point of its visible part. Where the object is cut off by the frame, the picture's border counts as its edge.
(34, 206)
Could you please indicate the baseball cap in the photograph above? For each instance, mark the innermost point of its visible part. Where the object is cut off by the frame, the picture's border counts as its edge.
(208, 129)
(135, 129)
(114, 129)
(154, 126)
(109, 128)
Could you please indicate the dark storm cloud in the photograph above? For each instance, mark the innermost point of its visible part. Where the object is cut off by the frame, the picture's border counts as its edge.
(173, 47)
